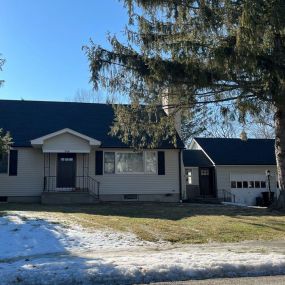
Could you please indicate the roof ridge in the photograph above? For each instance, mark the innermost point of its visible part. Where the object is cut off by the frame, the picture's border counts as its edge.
(237, 138)
(60, 102)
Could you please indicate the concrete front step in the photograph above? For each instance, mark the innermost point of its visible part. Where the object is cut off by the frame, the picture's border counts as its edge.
(68, 198)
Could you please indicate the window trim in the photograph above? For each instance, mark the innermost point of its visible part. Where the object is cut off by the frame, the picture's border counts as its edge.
(239, 182)
(187, 176)
(130, 173)
(109, 173)
(248, 182)
(8, 164)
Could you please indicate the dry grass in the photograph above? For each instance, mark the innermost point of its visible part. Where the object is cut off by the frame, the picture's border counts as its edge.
(187, 223)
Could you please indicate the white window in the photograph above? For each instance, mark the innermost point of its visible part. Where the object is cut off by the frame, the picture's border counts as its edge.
(66, 159)
(239, 184)
(3, 162)
(109, 162)
(245, 181)
(188, 176)
(205, 172)
(130, 162)
(150, 162)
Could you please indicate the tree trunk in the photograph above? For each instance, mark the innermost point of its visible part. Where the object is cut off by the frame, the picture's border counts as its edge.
(280, 153)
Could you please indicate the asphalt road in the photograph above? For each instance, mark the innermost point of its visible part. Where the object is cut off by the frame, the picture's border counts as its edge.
(266, 280)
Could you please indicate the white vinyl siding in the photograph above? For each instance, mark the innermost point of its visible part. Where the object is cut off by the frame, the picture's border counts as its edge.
(29, 180)
(141, 183)
(244, 195)
(66, 143)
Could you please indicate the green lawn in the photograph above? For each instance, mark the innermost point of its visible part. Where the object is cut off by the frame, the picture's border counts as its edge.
(186, 223)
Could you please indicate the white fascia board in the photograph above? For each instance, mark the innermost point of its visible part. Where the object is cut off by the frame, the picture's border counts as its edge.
(203, 151)
(192, 143)
(64, 151)
(246, 165)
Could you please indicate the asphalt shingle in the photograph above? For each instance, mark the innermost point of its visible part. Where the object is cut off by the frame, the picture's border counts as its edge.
(196, 158)
(28, 120)
(224, 151)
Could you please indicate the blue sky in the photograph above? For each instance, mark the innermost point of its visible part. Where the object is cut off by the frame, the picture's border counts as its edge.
(41, 41)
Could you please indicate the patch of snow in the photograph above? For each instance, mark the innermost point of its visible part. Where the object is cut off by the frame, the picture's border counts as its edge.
(139, 267)
(235, 204)
(36, 251)
(20, 236)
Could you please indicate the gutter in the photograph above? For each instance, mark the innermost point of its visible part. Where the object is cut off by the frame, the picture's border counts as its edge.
(180, 176)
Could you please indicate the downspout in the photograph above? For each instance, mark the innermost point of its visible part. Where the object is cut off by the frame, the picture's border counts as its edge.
(180, 177)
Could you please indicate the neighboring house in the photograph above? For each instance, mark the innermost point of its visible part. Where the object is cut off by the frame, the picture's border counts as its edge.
(230, 169)
(63, 152)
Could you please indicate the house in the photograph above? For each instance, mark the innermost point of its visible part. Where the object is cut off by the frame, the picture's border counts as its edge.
(233, 170)
(63, 152)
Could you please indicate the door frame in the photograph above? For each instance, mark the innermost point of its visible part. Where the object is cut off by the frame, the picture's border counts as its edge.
(57, 170)
(212, 181)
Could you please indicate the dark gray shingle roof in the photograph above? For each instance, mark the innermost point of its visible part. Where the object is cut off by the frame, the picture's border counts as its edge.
(223, 151)
(196, 158)
(28, 120)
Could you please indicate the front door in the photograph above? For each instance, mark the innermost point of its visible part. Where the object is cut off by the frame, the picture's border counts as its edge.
(206, 181)
(66, 170)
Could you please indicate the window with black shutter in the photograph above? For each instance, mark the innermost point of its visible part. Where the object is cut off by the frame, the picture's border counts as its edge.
(13, 162)
(4, 162)
(161, 162)
(99, 162)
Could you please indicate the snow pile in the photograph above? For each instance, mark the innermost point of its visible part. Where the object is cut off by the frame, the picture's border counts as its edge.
(39, 252)
(20, 236)
(137, 268)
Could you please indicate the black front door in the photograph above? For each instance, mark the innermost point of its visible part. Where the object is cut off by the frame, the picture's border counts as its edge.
(66, 170)
(206, 181)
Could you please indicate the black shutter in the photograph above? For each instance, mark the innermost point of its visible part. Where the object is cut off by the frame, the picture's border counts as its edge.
(13, 163)
(161, 162)
(99, 163)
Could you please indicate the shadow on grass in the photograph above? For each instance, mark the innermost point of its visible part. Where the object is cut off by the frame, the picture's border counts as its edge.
(146, 210)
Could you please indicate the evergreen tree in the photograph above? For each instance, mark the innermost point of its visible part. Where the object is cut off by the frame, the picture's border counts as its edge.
(5, 139)
(2, 61)
(197, 54)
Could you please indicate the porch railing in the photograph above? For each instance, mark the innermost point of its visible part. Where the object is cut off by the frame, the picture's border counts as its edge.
(228, 196)
(82, 184)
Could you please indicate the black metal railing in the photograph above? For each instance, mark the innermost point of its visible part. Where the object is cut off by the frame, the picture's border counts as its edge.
(93, 187)
(50, 183)
(228, 196)
(82, 184)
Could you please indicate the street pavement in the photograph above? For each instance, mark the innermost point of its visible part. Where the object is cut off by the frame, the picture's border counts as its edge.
(265, 280)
